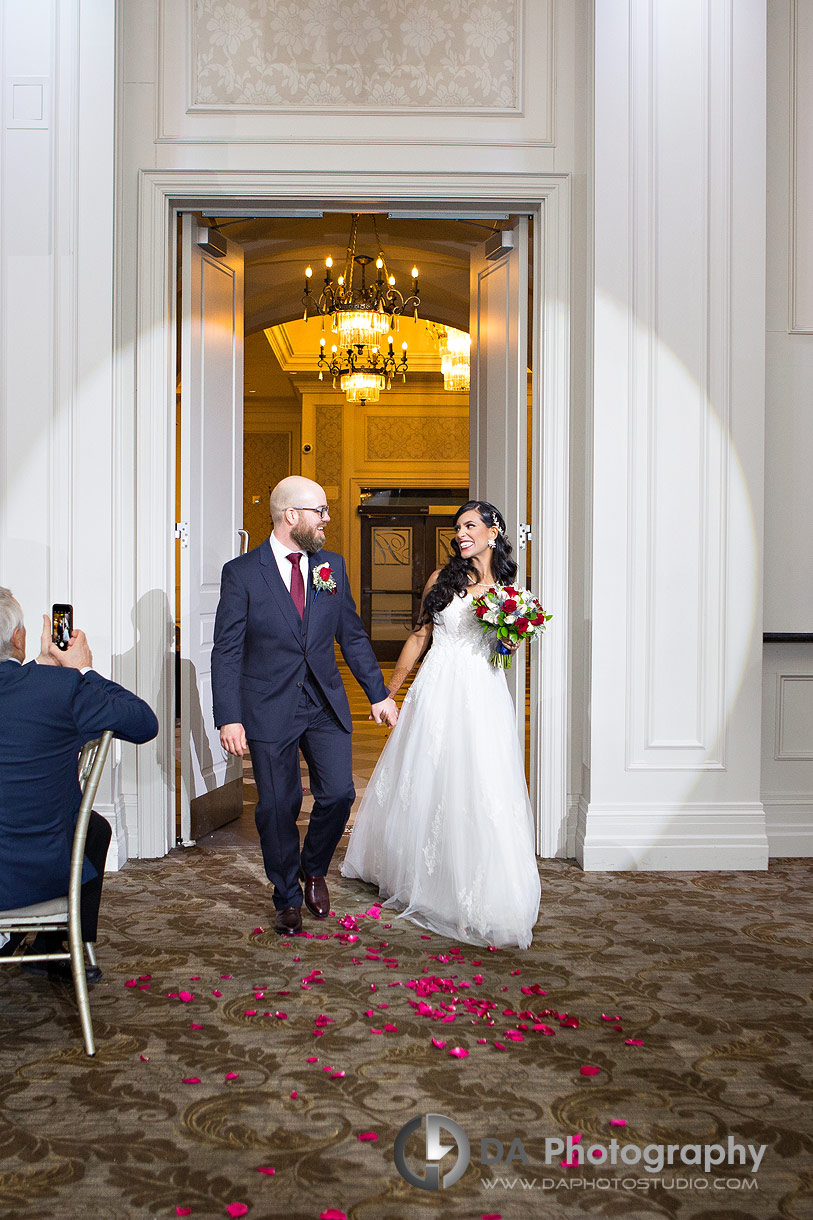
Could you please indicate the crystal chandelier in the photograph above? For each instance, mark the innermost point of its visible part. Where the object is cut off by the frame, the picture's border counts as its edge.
(361, 316)
(455, 355)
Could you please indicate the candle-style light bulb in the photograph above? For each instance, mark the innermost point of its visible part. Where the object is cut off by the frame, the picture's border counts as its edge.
(308, 272)
(341, 280)
(414, 273)
(322, 344)
(379, 262)
(403, 347)
(392, 281)
(328, 262)
(334, 349)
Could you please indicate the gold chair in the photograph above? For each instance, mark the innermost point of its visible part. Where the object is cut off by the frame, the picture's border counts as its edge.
(58, 914)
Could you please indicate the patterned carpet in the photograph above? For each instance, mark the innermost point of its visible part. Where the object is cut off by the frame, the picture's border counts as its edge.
(224, 1052)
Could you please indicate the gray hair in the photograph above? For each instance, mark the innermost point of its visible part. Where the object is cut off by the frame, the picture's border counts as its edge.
(11, 617)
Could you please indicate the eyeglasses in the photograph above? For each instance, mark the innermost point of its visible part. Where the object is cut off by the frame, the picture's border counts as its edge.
(305, 508)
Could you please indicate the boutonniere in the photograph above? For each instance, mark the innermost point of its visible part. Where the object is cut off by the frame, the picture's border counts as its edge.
(323, 579)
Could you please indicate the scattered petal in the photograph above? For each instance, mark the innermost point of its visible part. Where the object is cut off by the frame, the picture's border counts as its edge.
(281, 1016)
(225, 976)
(183, 1211)
(232, 1075)
(499, 1046)
(217, 994)
(145, 1058)
(131, 983)
(185, 997)
(312, 1059)
(267, 1169)
(618, 1122)
(438, 1043)
(459, 1052)
(196, 1026)
(332, 1213)
(367, 1135)
(144, 978)
(250, 1012)
(257, 932)
(191, 1080)
(633, 1042)
(391, 1029)
(293, 1094)
(337, 1075)
(236, 1209)
(589, 1069)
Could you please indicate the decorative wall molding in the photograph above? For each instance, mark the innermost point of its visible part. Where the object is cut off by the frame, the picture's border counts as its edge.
(424, 437)
(789, 823)
(794, 718)
(800, 260)
(680, 393)
(307, 98)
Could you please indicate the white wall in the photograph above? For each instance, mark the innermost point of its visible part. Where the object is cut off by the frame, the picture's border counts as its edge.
(787, 771)
(56, 299)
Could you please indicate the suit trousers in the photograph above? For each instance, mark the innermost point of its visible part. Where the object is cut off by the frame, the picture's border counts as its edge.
(90, 895)
(327, 749)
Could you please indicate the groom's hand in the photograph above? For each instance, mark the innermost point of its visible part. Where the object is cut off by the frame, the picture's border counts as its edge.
(233, 739)
(385, 712)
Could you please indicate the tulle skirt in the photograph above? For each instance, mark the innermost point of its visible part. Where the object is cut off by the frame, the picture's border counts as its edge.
(445, 828)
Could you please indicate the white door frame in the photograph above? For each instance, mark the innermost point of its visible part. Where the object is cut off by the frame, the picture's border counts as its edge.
(546, 197)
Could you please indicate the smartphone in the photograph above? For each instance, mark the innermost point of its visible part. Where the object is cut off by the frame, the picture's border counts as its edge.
(61, 624)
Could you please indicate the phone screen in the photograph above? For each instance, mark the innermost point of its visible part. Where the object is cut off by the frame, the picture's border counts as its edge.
(62, 625)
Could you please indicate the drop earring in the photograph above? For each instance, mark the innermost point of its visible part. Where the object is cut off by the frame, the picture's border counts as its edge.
(492, 543)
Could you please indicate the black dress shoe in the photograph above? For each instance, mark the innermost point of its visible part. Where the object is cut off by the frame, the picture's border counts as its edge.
(60, 972)
(288, 921)
(317, 898)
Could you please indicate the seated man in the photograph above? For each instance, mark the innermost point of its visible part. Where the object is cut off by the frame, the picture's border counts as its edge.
(48, 710)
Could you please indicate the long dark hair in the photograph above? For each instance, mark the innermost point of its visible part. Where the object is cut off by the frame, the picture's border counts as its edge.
(454, 577)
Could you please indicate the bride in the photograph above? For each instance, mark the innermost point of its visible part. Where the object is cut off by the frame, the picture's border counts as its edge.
(444, 828)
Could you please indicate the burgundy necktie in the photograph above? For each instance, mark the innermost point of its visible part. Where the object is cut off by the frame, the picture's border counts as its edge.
(297, 583)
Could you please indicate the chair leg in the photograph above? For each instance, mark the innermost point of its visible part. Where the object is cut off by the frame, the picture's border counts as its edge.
(90, 951)
(80, 985)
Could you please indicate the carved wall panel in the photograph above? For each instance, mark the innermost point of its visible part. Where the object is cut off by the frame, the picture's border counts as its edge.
(328, 452)
(416, 438)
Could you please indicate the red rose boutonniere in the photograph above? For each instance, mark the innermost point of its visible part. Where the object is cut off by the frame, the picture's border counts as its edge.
(323, 579)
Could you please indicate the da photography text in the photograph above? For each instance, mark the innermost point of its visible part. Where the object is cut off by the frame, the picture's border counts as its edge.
(568, 1152)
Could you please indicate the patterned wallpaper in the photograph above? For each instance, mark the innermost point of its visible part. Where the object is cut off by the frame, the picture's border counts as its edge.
(416, 438)
(266, 460)
(328, 453)
(372, 54)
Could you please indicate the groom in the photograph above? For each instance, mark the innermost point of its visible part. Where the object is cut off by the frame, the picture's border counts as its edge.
(276, 689)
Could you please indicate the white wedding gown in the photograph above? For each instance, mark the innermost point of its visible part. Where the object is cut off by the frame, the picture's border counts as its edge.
(445, 828)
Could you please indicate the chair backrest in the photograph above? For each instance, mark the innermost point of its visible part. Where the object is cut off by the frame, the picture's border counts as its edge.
(91, 765)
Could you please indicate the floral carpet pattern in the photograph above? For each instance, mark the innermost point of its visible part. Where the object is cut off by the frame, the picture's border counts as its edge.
(225, 1052)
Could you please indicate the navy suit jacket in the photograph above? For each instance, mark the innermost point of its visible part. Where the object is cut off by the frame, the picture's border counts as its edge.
(263, 652)
(47, 713)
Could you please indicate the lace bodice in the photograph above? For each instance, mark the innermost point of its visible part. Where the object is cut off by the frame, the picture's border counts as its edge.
(459, 627)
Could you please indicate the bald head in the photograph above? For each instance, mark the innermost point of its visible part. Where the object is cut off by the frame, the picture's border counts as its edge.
(295, 492)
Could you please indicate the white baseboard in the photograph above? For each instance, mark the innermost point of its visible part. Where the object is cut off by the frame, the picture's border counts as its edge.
(687, 837)
(789, 821)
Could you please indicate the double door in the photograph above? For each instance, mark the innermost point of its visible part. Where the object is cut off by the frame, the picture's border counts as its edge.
(399, 552)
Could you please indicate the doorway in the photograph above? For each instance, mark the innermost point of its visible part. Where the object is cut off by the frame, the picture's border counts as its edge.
(544, 196)
(405, 536)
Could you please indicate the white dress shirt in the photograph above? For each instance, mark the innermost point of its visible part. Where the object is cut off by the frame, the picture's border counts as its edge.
(285, 566)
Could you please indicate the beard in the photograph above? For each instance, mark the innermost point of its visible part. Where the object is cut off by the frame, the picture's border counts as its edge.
(310, 538)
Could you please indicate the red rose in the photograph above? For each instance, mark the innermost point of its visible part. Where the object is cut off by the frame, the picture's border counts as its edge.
(480, 611)
(325, 572)
(509, 606)
(521, 625)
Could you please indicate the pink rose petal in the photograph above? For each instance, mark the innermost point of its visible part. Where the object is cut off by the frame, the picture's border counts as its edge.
(196, 1026)
(183, 1211)
(499, 1046)
(236, 1209)
(459, 1052)
(332, 1213)
(589, 1069)
(250, 1012)
(437, 1042)
(225, 976)
(294, 1094)
(191, 1080)
(217, 994)
(145, 1058)
(131, 983)
(312, 1059)
(281, 1016)
(367, 1135)
(257, 932)
(491, 1216)
(618, 1122)
(232, 1075)
(633, 1042)
(267, 1169)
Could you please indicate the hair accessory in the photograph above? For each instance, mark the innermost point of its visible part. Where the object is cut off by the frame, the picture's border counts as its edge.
(496, 521)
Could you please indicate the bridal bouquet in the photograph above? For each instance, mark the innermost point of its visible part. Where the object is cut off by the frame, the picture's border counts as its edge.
(510, 614)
